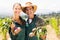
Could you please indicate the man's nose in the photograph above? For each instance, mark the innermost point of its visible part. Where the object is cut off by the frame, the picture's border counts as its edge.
(29, 10)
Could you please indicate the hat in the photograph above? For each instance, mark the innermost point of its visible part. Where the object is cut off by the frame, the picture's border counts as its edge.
(29, 4)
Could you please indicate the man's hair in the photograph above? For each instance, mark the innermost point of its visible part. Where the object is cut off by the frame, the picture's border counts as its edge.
(26, 9)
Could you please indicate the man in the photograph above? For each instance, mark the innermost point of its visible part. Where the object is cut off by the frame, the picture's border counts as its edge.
(30, 33)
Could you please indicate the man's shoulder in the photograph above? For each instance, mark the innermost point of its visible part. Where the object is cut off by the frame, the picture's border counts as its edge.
(38, 18)
(40, 21)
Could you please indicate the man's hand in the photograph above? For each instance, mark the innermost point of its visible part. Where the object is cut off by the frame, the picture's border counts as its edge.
(34, 29)
(31, 34)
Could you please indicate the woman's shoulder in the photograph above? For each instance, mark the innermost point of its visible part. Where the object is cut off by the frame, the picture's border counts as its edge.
(23, 21)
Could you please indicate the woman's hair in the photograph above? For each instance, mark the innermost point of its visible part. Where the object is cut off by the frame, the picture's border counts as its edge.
(18, 4)
(22, 20)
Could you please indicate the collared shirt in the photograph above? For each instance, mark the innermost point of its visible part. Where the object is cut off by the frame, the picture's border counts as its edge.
(30, 20)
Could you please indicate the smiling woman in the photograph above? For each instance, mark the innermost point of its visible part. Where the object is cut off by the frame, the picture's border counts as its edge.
(17, 29)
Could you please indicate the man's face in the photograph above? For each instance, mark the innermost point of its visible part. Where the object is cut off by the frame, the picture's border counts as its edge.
(29, 11)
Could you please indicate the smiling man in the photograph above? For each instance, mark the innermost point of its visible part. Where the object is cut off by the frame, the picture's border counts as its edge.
(30, 9)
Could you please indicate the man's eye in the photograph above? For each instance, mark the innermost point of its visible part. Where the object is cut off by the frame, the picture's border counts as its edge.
(16, 8)
(27, 10)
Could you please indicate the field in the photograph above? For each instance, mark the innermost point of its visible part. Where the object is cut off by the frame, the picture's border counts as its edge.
(51, 24)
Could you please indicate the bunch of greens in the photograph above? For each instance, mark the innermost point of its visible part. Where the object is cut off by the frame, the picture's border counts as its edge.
(4, 26)
(41, 33)
(54, 24)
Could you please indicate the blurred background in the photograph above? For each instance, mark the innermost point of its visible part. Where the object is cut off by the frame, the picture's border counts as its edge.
(45, 7)
(48, 10)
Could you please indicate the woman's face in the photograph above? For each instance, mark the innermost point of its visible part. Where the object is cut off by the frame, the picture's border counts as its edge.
(17, 9)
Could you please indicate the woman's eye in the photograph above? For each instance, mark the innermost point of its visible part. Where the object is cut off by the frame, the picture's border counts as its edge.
(16, 8)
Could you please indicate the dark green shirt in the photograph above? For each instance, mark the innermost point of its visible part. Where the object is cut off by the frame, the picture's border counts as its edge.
(32, 25)
(20, 35)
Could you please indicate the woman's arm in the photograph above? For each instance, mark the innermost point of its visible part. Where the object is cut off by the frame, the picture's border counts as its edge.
(8, 36)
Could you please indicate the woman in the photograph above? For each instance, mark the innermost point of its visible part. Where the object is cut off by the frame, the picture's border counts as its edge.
(17, 29)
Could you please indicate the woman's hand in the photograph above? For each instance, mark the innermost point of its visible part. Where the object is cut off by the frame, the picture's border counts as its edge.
(16, 31)
(12, 26)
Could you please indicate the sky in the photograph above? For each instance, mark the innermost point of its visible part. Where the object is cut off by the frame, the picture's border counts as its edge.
(43, 6)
